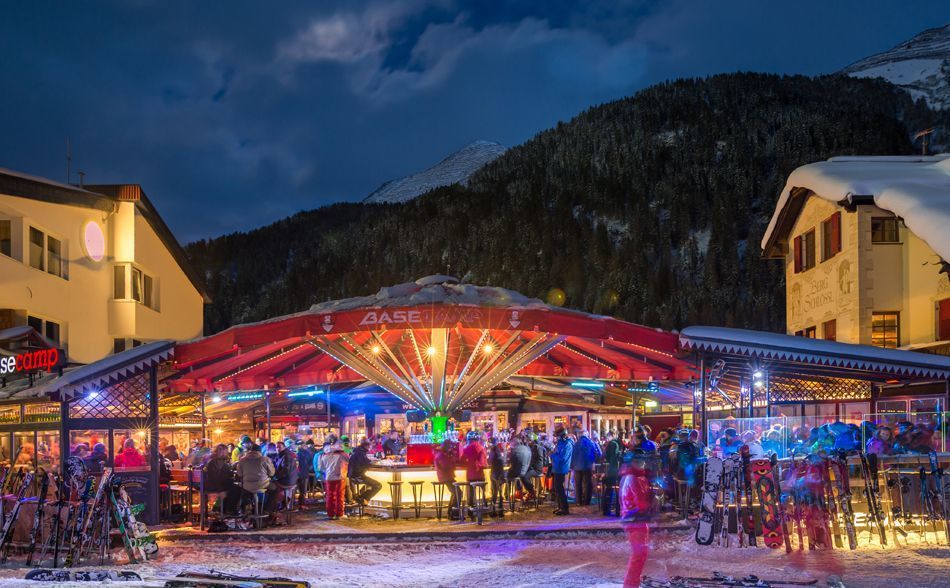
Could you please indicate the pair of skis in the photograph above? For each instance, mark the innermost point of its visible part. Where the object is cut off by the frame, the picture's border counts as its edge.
(872, 493)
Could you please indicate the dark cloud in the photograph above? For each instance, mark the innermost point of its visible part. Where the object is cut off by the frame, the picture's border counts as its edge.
(235, 114)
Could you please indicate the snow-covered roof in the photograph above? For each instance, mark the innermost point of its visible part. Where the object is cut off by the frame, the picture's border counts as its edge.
(915, 188)
(431, 290)
(777, 346)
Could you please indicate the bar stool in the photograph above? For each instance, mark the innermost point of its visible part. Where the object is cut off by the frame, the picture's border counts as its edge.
(511, 489)
(538, 491)
(358, 489)
(614, 499)
(416, 496)
(438, 490)
(461, 491)
(258, 515)
(289, 501)
(682, 497)
(478, 497)
(395, 492)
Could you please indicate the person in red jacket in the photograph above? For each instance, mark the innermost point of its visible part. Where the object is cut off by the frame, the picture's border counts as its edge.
(476, 460)
(446, 460)
(130, 456)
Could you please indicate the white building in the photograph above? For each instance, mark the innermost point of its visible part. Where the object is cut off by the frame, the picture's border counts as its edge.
(94, 269)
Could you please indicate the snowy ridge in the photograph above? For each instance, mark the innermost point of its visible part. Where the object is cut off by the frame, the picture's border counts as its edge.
(920, 65)
(457, 168)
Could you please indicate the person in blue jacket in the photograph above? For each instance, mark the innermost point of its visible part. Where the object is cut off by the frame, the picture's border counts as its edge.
(586, 453)
(560, 467)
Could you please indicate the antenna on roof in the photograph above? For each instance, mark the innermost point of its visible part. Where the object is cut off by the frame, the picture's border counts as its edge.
(82, 176)
(69, 160)
(924, 135)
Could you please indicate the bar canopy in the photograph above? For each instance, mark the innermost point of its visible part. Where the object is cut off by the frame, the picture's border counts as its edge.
(803, 369)
(435, 343)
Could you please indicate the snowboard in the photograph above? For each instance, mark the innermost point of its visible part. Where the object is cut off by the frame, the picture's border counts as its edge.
(708, 517)
(768, 494)
(48, 575)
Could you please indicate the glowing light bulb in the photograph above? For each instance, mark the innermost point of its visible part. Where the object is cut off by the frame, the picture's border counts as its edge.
(215, 399)
(431, 351)
(375, 349)
(488, 348)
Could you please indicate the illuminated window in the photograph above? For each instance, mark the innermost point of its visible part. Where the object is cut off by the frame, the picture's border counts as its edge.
(6, 238)
(943, 320)
(37, 246)
(885, 329)
(811, 332)
(884, 230)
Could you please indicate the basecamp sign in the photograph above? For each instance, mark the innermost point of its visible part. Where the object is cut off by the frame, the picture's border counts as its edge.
(43, 360)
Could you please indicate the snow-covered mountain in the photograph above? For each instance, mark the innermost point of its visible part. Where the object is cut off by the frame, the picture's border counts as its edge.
(920, 65)
(454, 169)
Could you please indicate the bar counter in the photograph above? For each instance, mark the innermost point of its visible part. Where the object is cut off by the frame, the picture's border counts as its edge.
(385, 472)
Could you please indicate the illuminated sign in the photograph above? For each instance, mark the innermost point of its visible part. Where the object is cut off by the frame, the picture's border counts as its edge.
(44, 359)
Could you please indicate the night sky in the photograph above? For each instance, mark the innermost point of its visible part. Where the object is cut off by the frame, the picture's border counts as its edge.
(234, 114)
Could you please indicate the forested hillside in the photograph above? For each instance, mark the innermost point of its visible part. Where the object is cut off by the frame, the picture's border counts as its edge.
(650, 208)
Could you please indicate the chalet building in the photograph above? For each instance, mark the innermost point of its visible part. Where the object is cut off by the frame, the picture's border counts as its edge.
(866, 244)
(94, 269)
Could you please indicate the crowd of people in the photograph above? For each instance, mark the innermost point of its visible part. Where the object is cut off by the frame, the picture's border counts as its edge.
(787, 440)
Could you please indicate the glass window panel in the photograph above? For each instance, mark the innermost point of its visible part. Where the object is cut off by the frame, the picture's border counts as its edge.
(136, 284)
(41, 412)
(118, 345)
(884, 230)
(6, 238)
(134, 457)
(37, 246)
(5, 452)
(88, 439)
(52, 332)
(119, 279)
(892, 406)
(35, 322)
(25, 450)
(925, 405)
(10, 415)
(54, 249)
(147, 291)
(47, 450)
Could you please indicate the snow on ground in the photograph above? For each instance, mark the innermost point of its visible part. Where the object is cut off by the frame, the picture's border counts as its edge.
(577, 561)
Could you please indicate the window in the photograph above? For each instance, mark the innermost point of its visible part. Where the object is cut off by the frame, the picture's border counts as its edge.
(884, 230)
(6, 238)
(829, 330)
(943, 320)
(37, 245)
(885, 329)
(805, 251)
(56, 265)
(137, 284)
(147, 287)
(35, 322)
(831, 236)
(118, 345)
(811, 332)
(52, 332)
(118, 291)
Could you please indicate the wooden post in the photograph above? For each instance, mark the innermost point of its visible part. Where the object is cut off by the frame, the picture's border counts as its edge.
(267, 408)
(153, 498)
(204, 434)
(704, 433)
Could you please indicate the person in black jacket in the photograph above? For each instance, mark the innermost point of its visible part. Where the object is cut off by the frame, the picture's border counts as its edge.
(96, 460)
(613, 455)
(219, 477)
(519, 464)
(359, 464)
(497, 461)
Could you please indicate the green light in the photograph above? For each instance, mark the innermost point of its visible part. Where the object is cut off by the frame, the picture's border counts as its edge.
(245, 396)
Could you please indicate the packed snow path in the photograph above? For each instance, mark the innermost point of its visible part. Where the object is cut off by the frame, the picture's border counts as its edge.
(580, 561)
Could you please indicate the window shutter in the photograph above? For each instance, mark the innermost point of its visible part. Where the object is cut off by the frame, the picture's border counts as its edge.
(798, 254)
(943, 320)
(836, 233)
